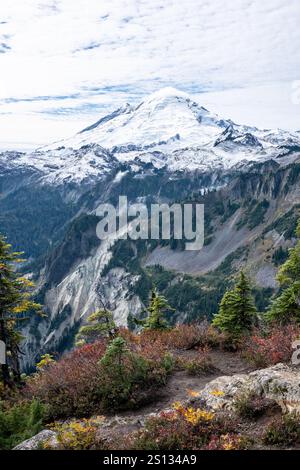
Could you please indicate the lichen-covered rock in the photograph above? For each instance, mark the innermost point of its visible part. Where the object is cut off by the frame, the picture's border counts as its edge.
(37, 441)
(280, 383)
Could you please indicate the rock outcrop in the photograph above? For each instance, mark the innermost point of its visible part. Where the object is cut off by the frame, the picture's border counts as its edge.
(37, 441)
(280, 383)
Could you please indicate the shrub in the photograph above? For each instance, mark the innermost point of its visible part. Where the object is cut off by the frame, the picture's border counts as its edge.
(45, 361)
(168, 362)
(284, 431)
(199, 365)
(194, 335)
(99, 377)
(186, 428)
(126, 375)
(229, 441)
(152, 344)
(128, 335)
(182, 337)
(266, 348)
(71, 385)
(77, 435)
(20, 422)
(252, 406)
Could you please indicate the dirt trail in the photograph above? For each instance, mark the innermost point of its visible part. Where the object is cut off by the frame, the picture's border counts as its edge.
(123, 425)
(176, 389)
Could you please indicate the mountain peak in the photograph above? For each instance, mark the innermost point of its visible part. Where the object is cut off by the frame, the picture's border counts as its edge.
(167, 93)
(169, 96)
(169, 128)
(167, 116)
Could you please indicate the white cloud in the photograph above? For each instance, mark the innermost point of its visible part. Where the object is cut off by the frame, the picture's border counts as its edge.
(88, 56)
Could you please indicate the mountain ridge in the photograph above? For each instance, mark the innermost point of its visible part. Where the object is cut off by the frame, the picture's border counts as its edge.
(168, 130)
(247, 179)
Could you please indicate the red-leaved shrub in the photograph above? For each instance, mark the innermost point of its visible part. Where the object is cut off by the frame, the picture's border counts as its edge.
(101, 377)
(193, 336)
(71, 384)
(266, 348)
(152, 344)
(182, 337)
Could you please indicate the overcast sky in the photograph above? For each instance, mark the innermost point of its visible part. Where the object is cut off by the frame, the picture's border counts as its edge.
(65, 63)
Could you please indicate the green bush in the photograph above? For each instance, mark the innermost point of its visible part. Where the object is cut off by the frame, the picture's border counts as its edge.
(252, 406)
(283, 431)
(129, 379)
(20, 422)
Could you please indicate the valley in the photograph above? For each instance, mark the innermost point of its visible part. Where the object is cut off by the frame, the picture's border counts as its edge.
(248, 181)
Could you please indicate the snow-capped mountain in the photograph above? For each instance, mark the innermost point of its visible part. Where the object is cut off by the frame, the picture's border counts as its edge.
(167, 130)
(166, 149)
(167, 118)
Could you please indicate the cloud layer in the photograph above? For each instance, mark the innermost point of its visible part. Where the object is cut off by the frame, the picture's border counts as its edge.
(64, 63)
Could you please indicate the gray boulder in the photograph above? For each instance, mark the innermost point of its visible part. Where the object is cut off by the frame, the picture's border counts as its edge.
(280, 383)
(35, 442)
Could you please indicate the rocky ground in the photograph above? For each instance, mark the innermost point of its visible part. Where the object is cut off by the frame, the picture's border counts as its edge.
(180, 383)
(278, 385)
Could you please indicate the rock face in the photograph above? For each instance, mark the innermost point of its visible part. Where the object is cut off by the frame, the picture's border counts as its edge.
(36, 441)
(280, 383)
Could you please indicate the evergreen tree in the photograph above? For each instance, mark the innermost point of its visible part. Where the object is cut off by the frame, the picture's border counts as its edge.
(124, 372)
(237, 311)
(157, 308)
(15, 301)
(45, 361)
(116, 353)
(286, 307)
(101, 324)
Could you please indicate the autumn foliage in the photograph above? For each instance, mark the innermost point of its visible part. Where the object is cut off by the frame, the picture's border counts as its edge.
(266, 348)
(102, 376)
(188, 428)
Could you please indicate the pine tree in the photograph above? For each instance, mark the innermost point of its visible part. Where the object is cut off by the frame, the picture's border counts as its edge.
(115, 354)
(237, 311)
(101, 324)
(290, 270)
(157, 308)
(15, 301)
(286, 307)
